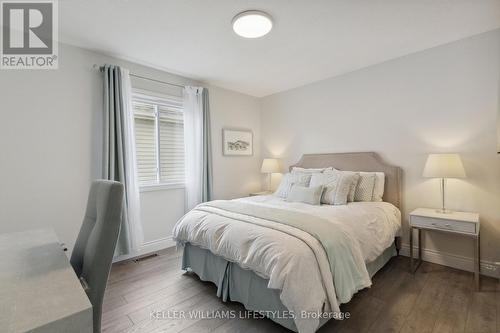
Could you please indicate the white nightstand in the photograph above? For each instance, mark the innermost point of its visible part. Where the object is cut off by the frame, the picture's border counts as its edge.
(460, 223)
(260, 193)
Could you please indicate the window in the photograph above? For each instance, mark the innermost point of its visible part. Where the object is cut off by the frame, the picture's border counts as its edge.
(159, 139)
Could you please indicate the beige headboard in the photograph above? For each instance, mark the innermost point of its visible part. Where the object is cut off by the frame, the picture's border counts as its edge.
(359, 162)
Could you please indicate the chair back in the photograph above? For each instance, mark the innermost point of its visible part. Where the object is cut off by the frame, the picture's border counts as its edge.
(93, 253)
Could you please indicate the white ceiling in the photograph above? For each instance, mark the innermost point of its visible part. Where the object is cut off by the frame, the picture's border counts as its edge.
(311, 40)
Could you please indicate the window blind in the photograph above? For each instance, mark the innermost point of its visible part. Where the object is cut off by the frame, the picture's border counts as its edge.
(171, 145)
(145, 142)
(159, 137)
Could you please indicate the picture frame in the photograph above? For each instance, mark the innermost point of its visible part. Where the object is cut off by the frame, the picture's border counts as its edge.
(237, 142)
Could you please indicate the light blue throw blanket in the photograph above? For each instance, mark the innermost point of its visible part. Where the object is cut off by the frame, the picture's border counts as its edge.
(348, 275)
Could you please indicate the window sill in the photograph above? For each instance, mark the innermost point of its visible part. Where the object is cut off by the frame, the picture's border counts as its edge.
(160, 187)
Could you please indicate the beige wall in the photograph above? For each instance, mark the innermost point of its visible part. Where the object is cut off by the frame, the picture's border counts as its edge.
(234, 176)
(441, 100)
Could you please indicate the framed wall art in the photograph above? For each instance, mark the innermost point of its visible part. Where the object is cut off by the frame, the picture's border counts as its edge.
(237, 142)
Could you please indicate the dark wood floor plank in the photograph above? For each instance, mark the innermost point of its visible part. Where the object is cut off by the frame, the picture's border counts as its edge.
(181, 315)
(452, 313)
(424, 314)
(164, 303)
(382, 285)
(141, 268)
(172, 296)
(262, 325)
(233, 326)
(161, 287)
(130, 265)
(118, 325)
(399, 298)
(482, 316)
(435, 299)
(363, 315)
(138, 277)
(210, 324)
(110, 303)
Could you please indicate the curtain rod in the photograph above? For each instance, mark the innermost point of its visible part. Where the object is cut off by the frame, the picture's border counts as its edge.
(145, 78)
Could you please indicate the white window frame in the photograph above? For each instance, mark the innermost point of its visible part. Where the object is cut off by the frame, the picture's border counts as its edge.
(147, 96)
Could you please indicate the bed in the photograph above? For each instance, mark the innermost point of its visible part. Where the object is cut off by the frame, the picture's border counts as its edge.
(258, 251)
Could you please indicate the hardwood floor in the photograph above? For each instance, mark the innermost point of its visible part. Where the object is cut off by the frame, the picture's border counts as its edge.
(435, 299)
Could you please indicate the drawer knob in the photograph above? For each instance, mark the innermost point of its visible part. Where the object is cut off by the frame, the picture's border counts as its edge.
(447, 225)
(433, 223)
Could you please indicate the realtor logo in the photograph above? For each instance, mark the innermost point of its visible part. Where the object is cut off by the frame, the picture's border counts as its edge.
(29, 35)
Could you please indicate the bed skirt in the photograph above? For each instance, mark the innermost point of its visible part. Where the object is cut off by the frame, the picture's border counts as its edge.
(244, 286)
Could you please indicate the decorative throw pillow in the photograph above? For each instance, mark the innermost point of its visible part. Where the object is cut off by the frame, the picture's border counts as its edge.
(308, 195)
(378, 189)
(309, 170)
(354, 178)
(336, 186)
(352, 189)
(301, 179)
(364, 189)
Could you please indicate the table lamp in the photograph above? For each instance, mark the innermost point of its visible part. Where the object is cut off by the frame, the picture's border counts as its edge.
(444, 166)
(270, 166)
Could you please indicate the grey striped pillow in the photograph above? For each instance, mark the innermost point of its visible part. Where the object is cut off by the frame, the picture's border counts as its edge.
(366, 184)
(337, 185)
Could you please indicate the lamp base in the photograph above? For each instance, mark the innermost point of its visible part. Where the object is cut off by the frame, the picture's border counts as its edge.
(443, 210)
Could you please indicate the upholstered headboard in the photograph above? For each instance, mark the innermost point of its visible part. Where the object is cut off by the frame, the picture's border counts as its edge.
(359, 162)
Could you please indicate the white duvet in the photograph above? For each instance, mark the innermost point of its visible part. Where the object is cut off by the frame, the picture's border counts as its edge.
(294, 261)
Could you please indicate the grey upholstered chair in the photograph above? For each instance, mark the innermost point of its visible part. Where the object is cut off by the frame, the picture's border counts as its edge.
(94, 249)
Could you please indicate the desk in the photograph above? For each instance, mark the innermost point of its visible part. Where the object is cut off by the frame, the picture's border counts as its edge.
(39, 291)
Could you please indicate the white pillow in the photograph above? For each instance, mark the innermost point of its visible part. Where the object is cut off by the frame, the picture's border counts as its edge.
(336, 186)
(289, 179)
(309, 170)
(308, 195)
(364, 189)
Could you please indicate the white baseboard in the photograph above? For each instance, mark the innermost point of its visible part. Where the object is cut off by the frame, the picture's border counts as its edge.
(488, 268)
(148, 247)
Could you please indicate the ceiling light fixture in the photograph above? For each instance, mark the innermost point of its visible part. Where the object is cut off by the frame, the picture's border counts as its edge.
(252, 24)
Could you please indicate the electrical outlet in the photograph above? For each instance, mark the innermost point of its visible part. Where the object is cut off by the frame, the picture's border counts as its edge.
(489, 267)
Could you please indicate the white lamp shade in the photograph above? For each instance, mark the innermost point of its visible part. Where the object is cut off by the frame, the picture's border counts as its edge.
(270, 165)
(444, 166)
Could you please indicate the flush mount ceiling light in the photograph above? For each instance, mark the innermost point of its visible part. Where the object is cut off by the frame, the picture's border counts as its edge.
(252, 24)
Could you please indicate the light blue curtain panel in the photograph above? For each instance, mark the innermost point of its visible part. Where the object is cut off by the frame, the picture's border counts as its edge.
(198, 147)
(119, 153)
(207, 178)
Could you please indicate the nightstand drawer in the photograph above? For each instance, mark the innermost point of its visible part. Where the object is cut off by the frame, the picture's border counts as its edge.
(432, 223)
